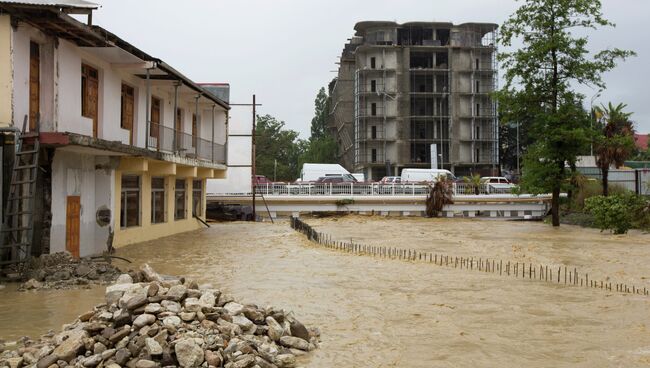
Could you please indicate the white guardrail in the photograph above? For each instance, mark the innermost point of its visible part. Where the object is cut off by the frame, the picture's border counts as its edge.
(373, 189)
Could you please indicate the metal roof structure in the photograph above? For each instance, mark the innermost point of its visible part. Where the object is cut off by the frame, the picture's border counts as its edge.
(78, 4)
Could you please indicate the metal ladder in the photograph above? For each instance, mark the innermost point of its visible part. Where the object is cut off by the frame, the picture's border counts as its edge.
(18, 225)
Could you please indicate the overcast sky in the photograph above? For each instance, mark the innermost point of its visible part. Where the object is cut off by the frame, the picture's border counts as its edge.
(285, 50)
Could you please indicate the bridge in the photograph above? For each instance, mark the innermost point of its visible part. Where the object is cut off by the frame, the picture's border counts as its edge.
(387, 200)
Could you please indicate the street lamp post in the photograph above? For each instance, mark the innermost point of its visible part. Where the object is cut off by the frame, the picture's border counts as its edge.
(592, 118)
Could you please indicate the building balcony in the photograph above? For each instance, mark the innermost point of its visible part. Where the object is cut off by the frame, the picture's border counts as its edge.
(165, 139)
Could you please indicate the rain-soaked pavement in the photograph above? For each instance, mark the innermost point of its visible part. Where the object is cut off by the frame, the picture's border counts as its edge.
(390, 313)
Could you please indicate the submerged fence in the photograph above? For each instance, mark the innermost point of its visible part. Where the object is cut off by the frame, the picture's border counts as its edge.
(563, 275)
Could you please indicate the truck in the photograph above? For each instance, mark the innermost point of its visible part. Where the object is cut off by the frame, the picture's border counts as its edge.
(311, 172)
(425, 175)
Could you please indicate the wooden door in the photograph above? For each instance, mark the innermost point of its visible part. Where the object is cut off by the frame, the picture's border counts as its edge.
(72, 222)
(90, 94)
(127, 110)
(34, 84)
(154, 130)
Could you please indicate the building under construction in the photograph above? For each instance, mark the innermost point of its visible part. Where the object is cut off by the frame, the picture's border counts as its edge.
(402, 88)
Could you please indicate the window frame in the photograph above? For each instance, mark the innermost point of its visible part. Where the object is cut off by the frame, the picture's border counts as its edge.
(200, 197)
(154, 207)
(124, 210)
(178, 191)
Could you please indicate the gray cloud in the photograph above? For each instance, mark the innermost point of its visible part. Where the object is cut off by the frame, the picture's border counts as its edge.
(285, 50)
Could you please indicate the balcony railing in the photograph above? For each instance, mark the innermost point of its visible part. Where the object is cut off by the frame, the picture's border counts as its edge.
(166, 139)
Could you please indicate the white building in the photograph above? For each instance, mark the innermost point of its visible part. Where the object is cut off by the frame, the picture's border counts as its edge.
(123, 135)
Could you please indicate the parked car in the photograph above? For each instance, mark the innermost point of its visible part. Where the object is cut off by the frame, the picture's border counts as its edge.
(425, 175)
(261, 179)
(497, 184)
(391, 180)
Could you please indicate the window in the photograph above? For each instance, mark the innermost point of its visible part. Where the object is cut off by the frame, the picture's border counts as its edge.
(130, 201)
(373, 132)
(478, 110)
(477, 156)
(478, 89)
(478, 132)
(373, 109)
(373, 86)
(477, 64)
(158, 200)
(197, 197)
(127, 103)
(373, 155)
(90, 94)
(179, 200)
(373, 63)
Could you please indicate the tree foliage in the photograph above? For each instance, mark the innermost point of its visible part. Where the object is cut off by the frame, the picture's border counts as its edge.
(615, 143)
(274, 144)
(321, 110)
(540, 77)
(321, 146)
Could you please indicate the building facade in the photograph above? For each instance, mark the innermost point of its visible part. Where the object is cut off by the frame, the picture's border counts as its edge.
(402, 88)
(126, 141)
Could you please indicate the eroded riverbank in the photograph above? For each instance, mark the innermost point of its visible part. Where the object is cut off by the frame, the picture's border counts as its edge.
(384, 313)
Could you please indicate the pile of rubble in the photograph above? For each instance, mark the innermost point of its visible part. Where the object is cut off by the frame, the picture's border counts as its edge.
(166, 322)
(62, 271)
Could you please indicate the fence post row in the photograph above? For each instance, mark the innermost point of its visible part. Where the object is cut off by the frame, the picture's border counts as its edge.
(515, 269)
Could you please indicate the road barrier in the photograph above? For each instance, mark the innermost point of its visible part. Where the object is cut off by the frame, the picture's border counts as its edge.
(562, 275)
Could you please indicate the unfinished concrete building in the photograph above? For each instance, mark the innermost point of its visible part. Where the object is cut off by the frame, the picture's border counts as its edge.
(403, 87)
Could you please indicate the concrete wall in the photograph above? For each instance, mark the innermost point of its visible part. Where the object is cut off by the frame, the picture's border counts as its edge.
(6, 70)
(74, 174)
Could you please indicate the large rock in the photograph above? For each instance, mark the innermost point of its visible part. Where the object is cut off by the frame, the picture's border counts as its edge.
(176, 293)
(207, 299)
(188, 353)
(171, 306)
(150, 274)
(244, 361)
(153, 347)
(242, 322)
(294, 342)
(285, 360)
(299, 330)
(234, 308)
(153, 308)
(69, 348)
(92, 360)
(144, 320)
(47, 361)
(213, 358)
(275, 329)
(192, 305)
(172, 321)
(82, 270)
(124, 278)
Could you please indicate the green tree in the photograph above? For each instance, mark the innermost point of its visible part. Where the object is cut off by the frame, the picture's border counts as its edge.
(319, 121)
(540, 77)
(274, 144)
(321, 146)
(615, 143)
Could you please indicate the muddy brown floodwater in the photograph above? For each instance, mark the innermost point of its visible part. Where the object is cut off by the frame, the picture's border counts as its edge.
(390, 313)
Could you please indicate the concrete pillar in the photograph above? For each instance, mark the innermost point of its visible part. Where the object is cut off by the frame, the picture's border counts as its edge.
(363, 213)
(471, 213)
(406, 213)
(274, 214)
(295, 214)
(450, 214)
(384, 213)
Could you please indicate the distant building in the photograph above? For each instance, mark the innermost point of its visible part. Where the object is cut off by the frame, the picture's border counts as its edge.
(641, 141)
(126, 141)
(403, 87)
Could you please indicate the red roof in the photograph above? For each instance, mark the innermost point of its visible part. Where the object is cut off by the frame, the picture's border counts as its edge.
(641, 141)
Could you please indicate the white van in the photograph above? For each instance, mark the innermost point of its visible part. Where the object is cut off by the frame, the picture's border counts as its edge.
(425, 175)
(311, 172)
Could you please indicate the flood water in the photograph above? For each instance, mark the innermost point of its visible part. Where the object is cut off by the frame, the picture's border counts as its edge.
(390, 313)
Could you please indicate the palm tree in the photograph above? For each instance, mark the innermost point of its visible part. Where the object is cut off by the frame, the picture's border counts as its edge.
(440, 194)
(616, 141)
(475, 182)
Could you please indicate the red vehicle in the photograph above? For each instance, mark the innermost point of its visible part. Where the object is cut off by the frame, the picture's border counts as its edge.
(261, 179)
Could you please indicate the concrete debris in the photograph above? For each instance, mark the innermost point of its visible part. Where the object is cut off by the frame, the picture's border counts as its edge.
(62, 271)
(170, 324)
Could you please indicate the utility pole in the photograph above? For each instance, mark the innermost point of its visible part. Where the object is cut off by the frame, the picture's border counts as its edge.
(254, 177)
(518, 167)
(275, 170)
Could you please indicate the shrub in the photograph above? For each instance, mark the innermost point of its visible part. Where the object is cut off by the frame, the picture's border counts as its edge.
(615, 212)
